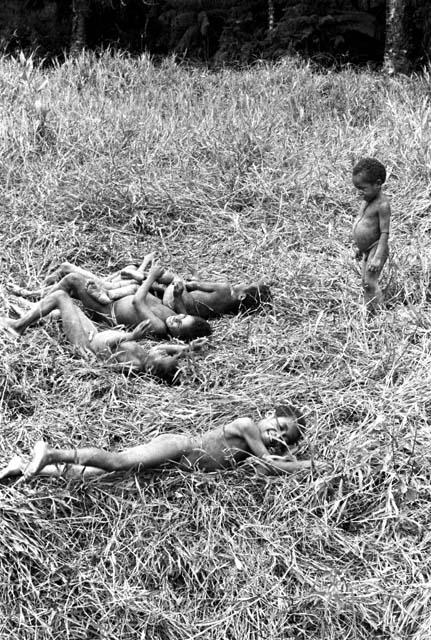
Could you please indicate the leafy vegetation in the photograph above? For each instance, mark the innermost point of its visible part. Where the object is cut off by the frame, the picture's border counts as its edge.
(243, 175)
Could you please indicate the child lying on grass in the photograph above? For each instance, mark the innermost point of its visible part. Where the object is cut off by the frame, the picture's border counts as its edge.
(196, 297)
(267, 442)
(371, 228)
(204, 298)
(129, 310)
(114, 345)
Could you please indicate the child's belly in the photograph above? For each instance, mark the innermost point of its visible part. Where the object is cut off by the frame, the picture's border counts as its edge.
(365, 234)
(211, 452)
(124, 312)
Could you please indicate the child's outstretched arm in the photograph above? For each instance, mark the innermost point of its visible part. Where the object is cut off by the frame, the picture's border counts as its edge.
(206, 286)
(272, 463)
(113, 337)
(145, 287)
(179, 350)
(379, 258)
(279, 464)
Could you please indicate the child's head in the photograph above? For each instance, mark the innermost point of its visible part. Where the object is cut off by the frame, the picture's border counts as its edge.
(285, 427)
(186, 327)
(368, 176)
(163, 367)
(252, 296)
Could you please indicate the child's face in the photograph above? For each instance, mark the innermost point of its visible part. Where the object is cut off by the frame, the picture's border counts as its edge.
(278, 432)
(179, 324)
(368, 190)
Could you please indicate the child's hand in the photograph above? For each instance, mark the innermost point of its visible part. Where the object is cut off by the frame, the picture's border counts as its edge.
(375, 264)
(178, 286)
(141, 329)
(156, 271)
(198, 344)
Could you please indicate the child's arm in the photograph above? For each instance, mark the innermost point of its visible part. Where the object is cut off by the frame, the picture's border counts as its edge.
(249, 431)
(207, 287)
(145, 287)
(178, 286)
(378, 260)
(277, 464)
(113, 337)
(182, 349)
(140, 302)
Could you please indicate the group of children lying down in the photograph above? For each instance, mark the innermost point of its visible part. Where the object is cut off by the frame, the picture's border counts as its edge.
(129, 298)
(158, 303)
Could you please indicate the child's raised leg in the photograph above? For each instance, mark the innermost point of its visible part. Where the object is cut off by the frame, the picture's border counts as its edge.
(79, 329)
(164, 448)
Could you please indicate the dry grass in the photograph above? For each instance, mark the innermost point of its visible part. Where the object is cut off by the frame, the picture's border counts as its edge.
(244, 175)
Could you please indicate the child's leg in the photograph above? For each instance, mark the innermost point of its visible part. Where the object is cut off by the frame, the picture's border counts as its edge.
(139, 274)
(180, 303)
(125, 288)
(79, 329)
(17, 466)
(373, 296)
(90, 292)
(64, 269)
(164, 448)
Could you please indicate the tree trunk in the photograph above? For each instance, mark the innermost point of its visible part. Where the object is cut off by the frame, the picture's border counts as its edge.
(396, 40)
(270, 15)
(77, 38)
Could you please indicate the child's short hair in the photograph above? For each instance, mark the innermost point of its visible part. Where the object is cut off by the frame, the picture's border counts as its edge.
(255, 295)
(373, 169)
(164, 368)
(289, 411)
(198, 329)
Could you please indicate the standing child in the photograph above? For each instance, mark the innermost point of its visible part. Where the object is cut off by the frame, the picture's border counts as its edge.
(371, 228)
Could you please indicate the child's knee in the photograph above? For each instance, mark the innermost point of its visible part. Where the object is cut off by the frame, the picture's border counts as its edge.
(69, 280)
(368, 285)
(65, 268)
(60, 297)
(370, 282)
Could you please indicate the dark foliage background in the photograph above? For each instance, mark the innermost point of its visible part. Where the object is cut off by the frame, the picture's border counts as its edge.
(218, 32)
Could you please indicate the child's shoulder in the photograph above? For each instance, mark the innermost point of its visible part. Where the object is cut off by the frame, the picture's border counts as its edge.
(237, 427)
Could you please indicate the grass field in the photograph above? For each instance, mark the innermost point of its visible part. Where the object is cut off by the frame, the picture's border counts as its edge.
(243, 175)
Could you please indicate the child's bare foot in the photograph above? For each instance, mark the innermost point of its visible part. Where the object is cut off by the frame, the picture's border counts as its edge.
(148, 260)
(7, 325)
(54, 277)
(96, 292)
(30, 294)
(14, 468)
(39, 460)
